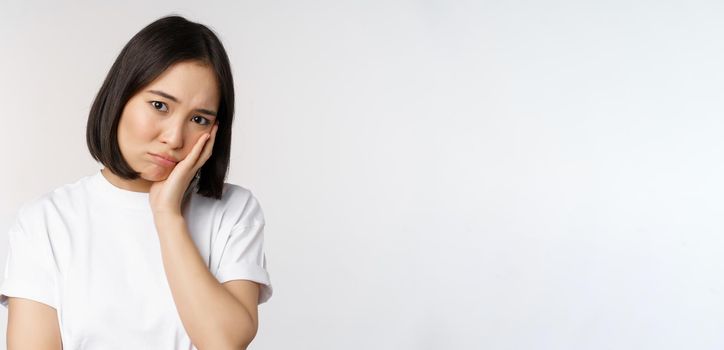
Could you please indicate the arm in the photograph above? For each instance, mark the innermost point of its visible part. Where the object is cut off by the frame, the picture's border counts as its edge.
(32, 325)
(215, 316)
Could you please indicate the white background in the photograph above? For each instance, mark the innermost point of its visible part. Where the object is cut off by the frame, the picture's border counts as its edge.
(434, 174)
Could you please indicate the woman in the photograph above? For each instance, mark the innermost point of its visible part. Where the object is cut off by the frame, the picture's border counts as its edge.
(155, 250)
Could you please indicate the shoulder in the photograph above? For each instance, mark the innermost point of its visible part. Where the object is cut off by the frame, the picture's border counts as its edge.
(38, 209)
(236, 192)
(237, 202)
(243, 204)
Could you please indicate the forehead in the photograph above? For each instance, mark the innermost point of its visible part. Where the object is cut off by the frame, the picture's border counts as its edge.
(192, 83)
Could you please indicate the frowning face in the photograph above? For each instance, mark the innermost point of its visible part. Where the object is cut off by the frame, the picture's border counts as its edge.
(165, 119)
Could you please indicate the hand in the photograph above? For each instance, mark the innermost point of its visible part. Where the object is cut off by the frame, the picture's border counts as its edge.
(166, 196)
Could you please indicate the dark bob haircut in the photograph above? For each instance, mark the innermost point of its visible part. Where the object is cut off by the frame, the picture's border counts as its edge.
(146, 56)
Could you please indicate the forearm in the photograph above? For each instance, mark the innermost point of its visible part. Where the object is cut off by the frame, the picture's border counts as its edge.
(212, 317)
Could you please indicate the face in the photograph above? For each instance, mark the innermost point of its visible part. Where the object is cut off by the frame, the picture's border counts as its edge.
(166, 118)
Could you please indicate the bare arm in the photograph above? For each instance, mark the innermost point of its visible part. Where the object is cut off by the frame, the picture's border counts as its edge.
(215, 316)
(32, 325)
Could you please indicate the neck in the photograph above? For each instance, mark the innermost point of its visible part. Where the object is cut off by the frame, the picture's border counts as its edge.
(137, 185)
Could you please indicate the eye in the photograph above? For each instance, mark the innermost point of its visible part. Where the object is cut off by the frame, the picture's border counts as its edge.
(155, 105)
(158, 104)
(205, 120)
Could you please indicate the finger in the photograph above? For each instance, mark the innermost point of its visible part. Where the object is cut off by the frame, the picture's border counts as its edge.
(193, 156)
(209, 146)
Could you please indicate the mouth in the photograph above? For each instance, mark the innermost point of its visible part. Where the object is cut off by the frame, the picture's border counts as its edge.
(163, 161)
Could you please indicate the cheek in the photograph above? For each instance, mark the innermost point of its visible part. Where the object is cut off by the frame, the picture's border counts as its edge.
(142, 124)
(191, 140)
(135, 128)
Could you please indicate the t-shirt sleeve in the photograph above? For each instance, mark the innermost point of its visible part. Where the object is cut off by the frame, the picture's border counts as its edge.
(29, 272)
(243, 256)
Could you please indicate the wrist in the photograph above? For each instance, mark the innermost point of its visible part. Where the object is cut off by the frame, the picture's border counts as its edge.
(167, 216)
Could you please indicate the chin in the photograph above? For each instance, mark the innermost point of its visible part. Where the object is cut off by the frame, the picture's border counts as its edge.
(155, 175)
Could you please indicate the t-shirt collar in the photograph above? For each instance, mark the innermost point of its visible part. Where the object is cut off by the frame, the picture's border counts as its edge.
(120, 196)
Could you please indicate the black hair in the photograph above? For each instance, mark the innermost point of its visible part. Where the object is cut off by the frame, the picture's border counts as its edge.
(164, 42)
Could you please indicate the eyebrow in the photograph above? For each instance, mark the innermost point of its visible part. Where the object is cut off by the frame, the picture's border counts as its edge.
(174, 99)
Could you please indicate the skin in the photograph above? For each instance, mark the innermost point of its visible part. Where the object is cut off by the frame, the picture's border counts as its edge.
(228, 316)
(151, 123)
(215, 315)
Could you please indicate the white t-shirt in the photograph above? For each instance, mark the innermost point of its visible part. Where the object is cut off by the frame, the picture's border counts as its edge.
(91, 250)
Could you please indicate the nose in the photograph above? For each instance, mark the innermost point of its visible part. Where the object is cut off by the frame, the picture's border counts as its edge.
(172, 133)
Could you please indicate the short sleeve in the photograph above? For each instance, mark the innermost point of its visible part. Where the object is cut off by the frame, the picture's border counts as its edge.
(29, 272)
(243, 256)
